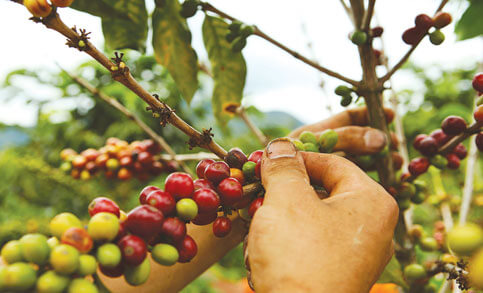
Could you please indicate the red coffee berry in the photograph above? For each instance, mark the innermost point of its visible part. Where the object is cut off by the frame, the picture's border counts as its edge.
(202, 183)
(441, 19)
(204, 218)
(478, 114)
(91, 167)
(440, 137)
(254, 206)
(124, 174)
(174, 229)
(417, 141)
(418, 166)
(145, 158)
(397, 161)
(103, 204)
(453, 125)
(151, 146)
(377, 31)
(187, 249)
(424, 22)
(122, 231)
(255, 156)
(479, 141)
(230, 191)
(221, 226)
(235, 158)
(144, 221)
(201, 167)
(217, 171)
(478, 82)
(163, 201)
(133, 250)
(428, 146)
(453, 161)
(126, 161)
(179, 185)
(156, 168)
(460, 151)
(145, 192)
(207, 200)
(90, 154)
(413, 35)
(244, 202)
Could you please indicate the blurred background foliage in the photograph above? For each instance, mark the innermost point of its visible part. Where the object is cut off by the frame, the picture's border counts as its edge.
(33, 189)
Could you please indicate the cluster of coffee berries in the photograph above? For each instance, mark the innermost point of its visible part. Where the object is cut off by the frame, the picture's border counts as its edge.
(423, 23)
(238, 34)
(345, 93)
(189, 8)
(41, 8)
(117, 159)
(309, 142)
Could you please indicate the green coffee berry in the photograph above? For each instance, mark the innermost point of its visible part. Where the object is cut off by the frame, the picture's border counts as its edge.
(439, 161)
(310, 147)
(359, 38)
(249, 169)
(346, 100)
(428, 244)
(308, 136)
(343, 90)
(189, 8)
(299, 145)
(403, 204)
(436, 37)
(327, 140)
(418, 198)
(406, 190)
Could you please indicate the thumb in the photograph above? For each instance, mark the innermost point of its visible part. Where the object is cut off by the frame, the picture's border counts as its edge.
(284, 175)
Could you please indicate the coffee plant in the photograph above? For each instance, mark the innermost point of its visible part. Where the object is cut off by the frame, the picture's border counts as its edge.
(224, 190)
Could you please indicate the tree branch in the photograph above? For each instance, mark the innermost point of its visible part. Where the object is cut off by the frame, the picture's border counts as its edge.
(450, 145)
(408, 54)
(258, 133)
(124, 77)
(115, 104)
(190, 157)
(208, 7)
(368, 15)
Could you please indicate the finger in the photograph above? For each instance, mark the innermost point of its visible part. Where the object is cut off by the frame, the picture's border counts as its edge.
(357, 140)
(356, 116)
(284, 176)
(338, 175)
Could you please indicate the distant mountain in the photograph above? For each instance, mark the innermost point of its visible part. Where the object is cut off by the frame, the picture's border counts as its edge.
(12, 136)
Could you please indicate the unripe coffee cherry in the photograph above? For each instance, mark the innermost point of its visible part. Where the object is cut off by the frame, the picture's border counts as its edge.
(428, 244)
(327, 140)
(423, 22)
(464, 240)
(308, 136)
(406, 190)
(418, 166)
(186, 209)
(346, 101)
(359, 38)
(414, 272)
(453, 125)
(439, 161)
(436, 37)
(441, 19)
(343, 90)
(221, 227)
(236, 158)
(189, 8)
(38, 8)
(165, 254)
(478, 82)
(475, 270)
(310, 147)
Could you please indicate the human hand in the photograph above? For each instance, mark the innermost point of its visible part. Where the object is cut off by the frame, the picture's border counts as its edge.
(299, 243)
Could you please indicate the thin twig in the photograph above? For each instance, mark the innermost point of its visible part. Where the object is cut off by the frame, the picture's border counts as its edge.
(208, 7)
(347, 10)
(258, 133)
(368, 15)
(115, 104)
(190, 157)
(411, 50)
(124, 77)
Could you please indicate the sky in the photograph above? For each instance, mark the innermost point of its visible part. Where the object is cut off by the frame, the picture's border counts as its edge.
(275, 80)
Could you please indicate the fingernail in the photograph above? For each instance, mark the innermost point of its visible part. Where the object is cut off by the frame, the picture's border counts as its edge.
(374, 139)
(281, 148)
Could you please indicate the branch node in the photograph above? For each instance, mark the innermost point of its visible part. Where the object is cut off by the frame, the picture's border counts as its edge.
(205, 138)
(80, 42)
(120, 68)
(163, 113)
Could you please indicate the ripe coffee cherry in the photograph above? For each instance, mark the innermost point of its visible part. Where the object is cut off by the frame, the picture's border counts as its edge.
(38, 8)
(179, 185)
(202, 183)
(478, 114)
(460, 151)
(440, 137)
(144, 221)
(103, 204)
(145, 158)
(423, 22)
(230, 191)
(254, 206)
(436, 37)
(187, 249)
(413, 35)
(441, 19)
(221, 227)
(201, 167)
(186, 209)
(414, 272)
(79, 162)
(78, 238)
(163, 201)
(453, 161)
(428, 146)
(255, 156)
(207, 200)
(258, 170)
(124, 174)
(418, 166)
(217, 171)
(478, 82)
(417, 141)
(377, 31)
(174, 229)
(156, 168)
(479, 141)
(133, 250)
(126, 161)
(453, 125)
(204, 218)
(235, 158)
(145, 192)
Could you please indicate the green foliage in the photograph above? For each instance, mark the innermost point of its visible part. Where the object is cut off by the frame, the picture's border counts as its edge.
(470, 25)
(229, 68)
(172, 46)
(393, 274)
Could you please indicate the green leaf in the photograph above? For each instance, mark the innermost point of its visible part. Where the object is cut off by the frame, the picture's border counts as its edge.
(124, 22)
(393, 274)
(172, 47)
(229, 69)
(470, 24)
